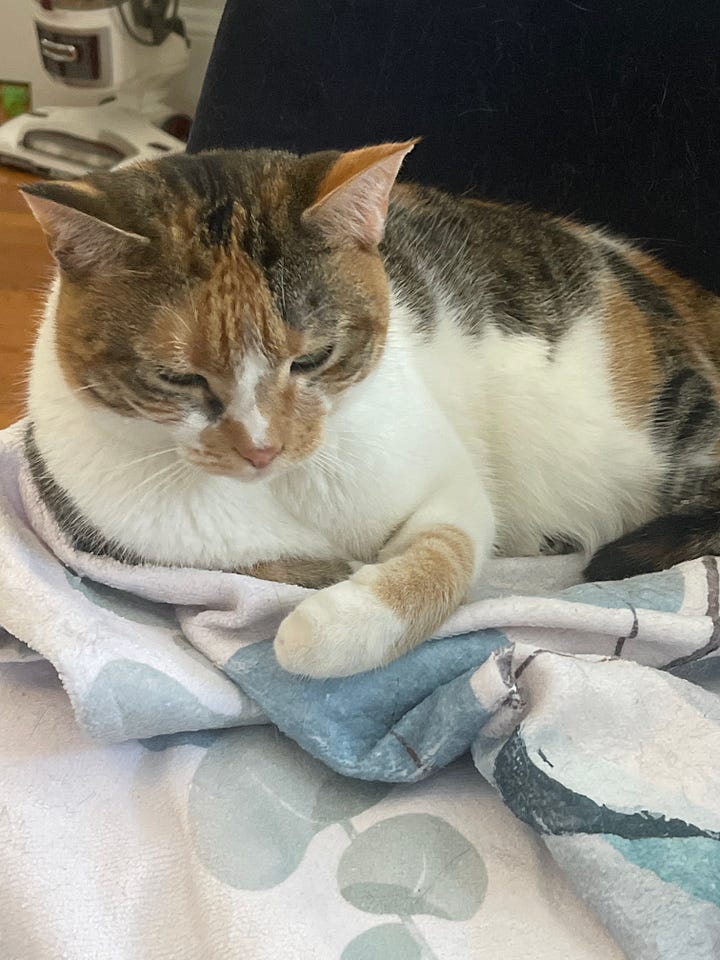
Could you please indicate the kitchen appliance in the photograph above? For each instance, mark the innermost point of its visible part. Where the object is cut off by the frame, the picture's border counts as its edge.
(126, 50)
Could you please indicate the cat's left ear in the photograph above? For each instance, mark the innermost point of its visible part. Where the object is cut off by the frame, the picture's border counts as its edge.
(79, 239)
(351, 203)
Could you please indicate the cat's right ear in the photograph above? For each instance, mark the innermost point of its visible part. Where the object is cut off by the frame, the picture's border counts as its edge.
(79, 240)
(352, 199)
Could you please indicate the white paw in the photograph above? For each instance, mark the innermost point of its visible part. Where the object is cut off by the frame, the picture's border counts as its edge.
(341, 630)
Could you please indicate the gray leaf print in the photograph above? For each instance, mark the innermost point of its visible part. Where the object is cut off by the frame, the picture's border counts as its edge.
(391, 941)
(413, 864)
(256, 802)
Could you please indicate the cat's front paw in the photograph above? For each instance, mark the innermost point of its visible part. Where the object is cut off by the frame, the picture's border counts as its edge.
(338, 631)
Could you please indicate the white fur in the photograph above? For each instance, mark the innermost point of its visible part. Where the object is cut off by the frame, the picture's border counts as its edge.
(494, 435)
(316, 637)
(544, 432)
(244, 407)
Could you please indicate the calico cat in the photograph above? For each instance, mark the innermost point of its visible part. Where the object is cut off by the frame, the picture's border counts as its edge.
(293, 367)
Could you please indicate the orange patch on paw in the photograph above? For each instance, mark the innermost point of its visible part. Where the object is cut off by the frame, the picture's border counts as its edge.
(426, 583)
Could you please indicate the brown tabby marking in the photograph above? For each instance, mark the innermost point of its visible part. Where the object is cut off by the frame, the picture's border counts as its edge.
(429, 580)
(361, 334)
(222, 319)
(696, 332)
(314, 574)
(77, 351)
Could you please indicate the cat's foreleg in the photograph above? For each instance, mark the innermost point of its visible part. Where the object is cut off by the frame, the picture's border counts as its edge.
(386, 608)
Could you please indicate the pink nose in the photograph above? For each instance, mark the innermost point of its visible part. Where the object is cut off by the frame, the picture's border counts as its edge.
(260, 457)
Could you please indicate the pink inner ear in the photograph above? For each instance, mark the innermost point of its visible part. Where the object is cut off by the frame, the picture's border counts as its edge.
(355, 210)
(77, 240)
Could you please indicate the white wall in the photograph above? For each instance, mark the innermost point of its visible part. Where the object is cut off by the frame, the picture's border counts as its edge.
(20, 58)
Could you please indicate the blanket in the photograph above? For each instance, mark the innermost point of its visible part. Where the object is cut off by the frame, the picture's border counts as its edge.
(236, 843)
(593, 709)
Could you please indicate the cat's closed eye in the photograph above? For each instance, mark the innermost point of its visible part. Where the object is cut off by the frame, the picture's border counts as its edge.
(182, 379)
(311, 361)
(194, 382)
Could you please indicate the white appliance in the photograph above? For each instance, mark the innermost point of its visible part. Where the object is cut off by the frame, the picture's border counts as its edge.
(129, 51)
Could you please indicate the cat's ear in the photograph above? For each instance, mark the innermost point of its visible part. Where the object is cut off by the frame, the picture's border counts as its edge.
(352, 200)
(79, 240)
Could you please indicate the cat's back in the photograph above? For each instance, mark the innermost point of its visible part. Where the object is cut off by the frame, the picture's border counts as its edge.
(523, 270)
(582, 372)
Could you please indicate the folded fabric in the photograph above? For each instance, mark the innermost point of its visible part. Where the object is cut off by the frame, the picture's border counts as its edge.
(568, 694)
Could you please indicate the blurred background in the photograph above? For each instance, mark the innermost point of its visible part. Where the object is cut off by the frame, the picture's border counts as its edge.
(21, 62)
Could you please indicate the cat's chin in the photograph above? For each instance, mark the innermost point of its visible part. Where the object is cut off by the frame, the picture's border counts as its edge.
(258, 476)
(252, 475)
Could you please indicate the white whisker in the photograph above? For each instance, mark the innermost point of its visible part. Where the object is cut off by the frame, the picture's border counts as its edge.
(153, 476)
(88, 386)
(180, 468)
(126, 466)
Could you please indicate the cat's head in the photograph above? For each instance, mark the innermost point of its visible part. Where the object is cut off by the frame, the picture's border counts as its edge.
(229, 298)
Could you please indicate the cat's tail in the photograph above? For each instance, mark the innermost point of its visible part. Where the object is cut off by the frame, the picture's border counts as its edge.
(658, 545)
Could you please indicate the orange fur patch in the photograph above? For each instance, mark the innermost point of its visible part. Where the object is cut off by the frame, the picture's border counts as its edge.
(82, 186)
(698, 308)
(221, 319)
(635, 370)
(426, 583)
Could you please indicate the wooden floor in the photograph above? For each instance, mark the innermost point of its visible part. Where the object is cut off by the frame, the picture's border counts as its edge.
(25, 269)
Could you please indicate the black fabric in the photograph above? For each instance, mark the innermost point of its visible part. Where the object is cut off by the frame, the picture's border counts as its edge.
(606, 110)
